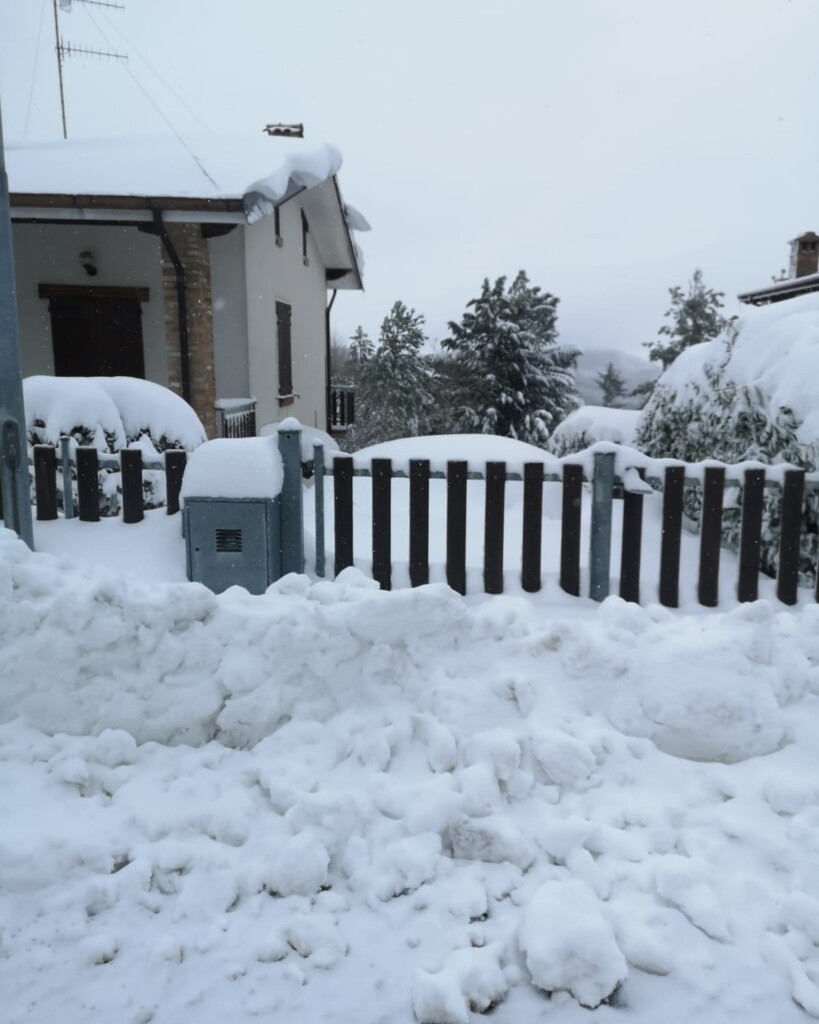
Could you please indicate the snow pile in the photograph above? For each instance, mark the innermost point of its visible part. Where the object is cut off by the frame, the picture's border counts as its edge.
(248, 467)
(590, 424)
(474, 449)
(333, 803)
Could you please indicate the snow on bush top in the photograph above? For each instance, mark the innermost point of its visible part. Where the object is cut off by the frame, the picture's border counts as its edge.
(776, 350)
(110, 412)
(149, 408)
(57, 406)
(595, 423)
(248, 467)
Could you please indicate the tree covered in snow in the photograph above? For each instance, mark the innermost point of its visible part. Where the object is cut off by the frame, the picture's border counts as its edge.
(693, 317)
(396, 394)
(706, 407)
(612, 385)
(515, 379)
(361, 349)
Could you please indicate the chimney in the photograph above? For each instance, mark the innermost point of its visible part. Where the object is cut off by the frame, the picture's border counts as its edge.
(805, 255)
(285, 131)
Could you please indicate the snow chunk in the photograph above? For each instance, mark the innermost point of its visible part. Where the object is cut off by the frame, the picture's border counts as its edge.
(493, 839)
(298, 868)
(471, 979)
(569, 944)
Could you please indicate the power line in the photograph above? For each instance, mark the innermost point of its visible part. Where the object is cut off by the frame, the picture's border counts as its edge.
(157, 108)
(34, 69)
(158, 74)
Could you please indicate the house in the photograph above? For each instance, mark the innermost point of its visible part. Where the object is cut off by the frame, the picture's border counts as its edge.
(203, 267)
(803, 274)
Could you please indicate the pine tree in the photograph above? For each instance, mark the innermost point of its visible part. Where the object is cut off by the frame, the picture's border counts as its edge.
(517, 382)
(694, 318)
(396, 395)
(361, 348)
(611, 384)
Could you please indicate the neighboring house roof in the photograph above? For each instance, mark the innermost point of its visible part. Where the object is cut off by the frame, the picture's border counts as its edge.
(781, 290)
(223, 179)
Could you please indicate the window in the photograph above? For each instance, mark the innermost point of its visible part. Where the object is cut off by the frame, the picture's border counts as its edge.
(283, 320)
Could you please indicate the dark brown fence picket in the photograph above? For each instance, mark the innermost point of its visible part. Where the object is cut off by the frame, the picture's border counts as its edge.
(787, 575)
(419, 522)
(382, 522)
(456, 525)
(530, 558)
(175, 462)
(713, 489)
(750, 534)
(343, 512)
(493, 527)
(130, 461)
(570, 529)
(88, 485)
(45, 481)
(672, 536)
(632, 546)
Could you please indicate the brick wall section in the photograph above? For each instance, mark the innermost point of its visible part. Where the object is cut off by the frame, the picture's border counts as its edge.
(192, 250)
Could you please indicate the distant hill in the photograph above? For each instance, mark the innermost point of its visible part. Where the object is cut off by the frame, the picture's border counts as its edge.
(632, 369)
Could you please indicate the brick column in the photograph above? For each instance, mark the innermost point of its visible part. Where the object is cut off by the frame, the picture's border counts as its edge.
(193, 253)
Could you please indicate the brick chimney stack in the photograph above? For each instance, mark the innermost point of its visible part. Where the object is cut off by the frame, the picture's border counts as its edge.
(805, 255)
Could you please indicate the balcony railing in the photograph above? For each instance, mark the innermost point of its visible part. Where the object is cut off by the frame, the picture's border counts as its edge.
(342, 407)
(236, 417)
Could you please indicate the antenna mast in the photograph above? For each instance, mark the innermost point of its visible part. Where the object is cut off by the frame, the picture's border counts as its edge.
(67, 50)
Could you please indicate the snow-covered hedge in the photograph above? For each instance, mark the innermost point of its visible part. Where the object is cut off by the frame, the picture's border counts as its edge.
(592, 423)
(752, 393)
(110, 413)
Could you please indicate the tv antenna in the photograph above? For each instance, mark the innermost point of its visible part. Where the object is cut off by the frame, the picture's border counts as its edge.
(67, 50)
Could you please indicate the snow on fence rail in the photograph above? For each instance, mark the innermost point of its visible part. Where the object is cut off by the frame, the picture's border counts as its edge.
(596, 467)
(85, 464)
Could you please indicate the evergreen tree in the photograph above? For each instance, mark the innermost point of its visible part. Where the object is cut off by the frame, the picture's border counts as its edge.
(396, 395)
(694, 317)
(611, 384)
(515, 380)
(361, 349)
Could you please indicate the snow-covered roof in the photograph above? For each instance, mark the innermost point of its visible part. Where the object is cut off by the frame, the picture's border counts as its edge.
(240, 180)
(210, 168)
(781, 290)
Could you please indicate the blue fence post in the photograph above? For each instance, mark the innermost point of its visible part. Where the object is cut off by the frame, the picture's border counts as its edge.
(318, 463)
(68, 487)
(601, 518)
(291, 498)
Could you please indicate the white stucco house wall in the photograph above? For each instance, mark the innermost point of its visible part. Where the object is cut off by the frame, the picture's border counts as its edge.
(207, 267)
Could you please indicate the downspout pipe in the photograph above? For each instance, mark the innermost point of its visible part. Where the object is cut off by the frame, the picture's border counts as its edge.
(327, 362)
(181, 304)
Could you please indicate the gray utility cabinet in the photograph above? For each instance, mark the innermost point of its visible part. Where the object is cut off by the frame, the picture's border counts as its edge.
(233, 542)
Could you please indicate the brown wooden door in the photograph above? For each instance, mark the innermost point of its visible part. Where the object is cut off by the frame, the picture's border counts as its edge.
(96, 336)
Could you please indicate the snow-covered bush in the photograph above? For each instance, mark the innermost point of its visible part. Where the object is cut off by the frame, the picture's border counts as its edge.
(111, 413)
(752, 393)
(592, 423)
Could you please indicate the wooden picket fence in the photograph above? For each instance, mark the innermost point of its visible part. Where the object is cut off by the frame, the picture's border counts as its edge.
(606, 487)
(84, 467)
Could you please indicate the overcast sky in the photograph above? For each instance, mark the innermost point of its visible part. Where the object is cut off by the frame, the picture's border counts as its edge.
(608, 147)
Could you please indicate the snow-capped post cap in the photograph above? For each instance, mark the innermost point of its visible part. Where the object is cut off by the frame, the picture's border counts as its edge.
(291, 423)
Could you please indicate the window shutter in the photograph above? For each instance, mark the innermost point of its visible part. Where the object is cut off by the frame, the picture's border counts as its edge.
(283, 320)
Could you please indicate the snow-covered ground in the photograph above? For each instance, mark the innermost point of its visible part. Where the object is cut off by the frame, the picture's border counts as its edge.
(332, 804)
